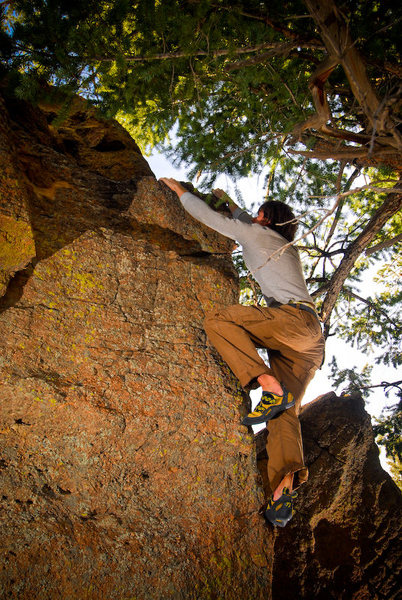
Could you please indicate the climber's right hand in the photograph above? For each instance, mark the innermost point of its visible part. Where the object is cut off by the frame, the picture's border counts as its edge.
(174, 185)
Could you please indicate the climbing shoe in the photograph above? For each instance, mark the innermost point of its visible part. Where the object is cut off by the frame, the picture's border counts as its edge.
(279, 512)
(269, 407)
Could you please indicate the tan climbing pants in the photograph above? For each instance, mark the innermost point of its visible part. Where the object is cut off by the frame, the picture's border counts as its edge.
(295, 347)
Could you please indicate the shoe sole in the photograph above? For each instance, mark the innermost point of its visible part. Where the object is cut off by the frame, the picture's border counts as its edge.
(277, 521)
(274, 411)
(279, 517)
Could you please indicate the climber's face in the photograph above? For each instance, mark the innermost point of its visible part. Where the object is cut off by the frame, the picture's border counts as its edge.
(260, 219)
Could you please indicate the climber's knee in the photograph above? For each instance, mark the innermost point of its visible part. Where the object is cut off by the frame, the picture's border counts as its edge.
(211, 320)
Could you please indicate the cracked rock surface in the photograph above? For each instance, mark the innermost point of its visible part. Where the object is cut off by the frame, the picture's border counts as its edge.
(344, 542)
(125, 472)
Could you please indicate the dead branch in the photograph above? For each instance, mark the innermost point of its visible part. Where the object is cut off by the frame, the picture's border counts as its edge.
(369, 186)
(383, 384)
(281, 250)
(339, 209)
(336, 218)
(347, 154)
(391, 205)
(280, 49)
(274, 46)
(276, 26)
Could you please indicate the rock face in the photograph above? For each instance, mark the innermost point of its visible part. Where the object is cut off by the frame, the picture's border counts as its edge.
(125, 472)
(345, 539)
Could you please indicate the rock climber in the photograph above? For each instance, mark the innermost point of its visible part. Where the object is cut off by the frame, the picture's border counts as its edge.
(288, 327)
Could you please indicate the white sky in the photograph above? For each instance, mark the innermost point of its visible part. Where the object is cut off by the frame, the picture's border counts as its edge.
(347, 357)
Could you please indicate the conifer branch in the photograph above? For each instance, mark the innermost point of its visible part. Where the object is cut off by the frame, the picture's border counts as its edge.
(383, 384)
(283, 48)
(368, 186)
(285, 31)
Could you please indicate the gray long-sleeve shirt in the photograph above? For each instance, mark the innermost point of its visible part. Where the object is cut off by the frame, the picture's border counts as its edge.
(280, 277)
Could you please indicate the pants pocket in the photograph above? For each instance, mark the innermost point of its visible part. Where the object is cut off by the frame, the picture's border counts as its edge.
(311, 323)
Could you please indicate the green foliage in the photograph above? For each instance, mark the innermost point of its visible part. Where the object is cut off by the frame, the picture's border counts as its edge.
(218, 86)
(231, 108)
(351, 379)
(382, 312)
(389, 428)
(388, 431)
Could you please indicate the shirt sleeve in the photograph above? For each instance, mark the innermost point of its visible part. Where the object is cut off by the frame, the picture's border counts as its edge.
(197, 208)
(242, 215)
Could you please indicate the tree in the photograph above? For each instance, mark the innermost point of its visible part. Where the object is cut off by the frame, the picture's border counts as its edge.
(306, 91)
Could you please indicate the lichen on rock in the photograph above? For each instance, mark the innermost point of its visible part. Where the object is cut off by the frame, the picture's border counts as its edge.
(125, 470)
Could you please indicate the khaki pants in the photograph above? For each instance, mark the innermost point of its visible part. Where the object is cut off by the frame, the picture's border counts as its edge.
(295, 347)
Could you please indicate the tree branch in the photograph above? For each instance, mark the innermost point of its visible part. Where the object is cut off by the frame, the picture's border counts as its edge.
(369, 186)
(285, 31)
(319, 121)
(384, 244)
(341, 50)
(335, 35)
(392, 204)
(282, 249)
(383, 384)
(281, 48)
(350, 154)
(274, 46)
(339, 209)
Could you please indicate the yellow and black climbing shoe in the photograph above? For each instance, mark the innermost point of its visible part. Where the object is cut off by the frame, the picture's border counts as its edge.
(269, 407)
(279, 512)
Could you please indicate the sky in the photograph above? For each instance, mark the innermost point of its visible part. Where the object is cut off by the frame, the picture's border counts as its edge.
(252, 190)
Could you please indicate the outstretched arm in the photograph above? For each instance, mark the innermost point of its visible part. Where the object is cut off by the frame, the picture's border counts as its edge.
(179, 189)
(231, 228)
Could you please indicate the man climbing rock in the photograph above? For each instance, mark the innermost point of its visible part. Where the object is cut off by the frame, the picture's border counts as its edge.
(288, 327)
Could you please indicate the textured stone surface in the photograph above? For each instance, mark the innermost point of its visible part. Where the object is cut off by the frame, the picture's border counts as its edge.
(125, 472)
(345, 539)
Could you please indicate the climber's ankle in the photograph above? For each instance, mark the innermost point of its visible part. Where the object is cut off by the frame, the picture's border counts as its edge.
(269, 383)
(287, 482)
